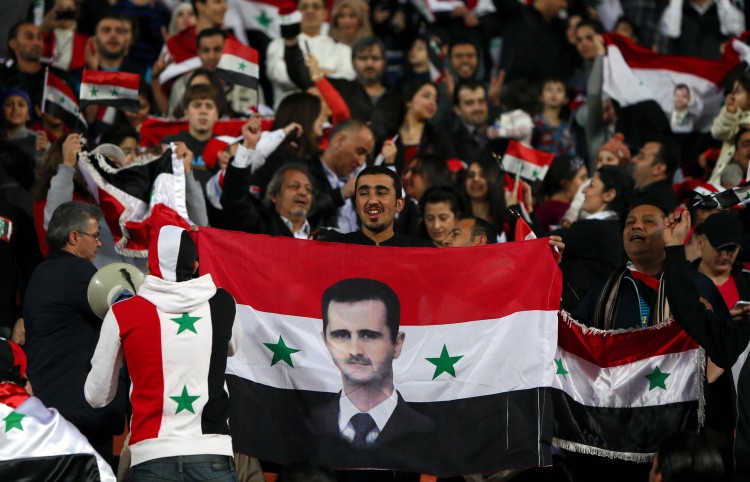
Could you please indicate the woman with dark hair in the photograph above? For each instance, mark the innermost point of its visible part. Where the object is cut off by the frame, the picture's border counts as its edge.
(421, 174)
(687, 457)
(482, 193)
(417, 137)
(441, 209)
(560, 185)
(593, 246)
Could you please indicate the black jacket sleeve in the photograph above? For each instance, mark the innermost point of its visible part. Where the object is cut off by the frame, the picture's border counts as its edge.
(296, 68)
(237, 201)
(723, 338)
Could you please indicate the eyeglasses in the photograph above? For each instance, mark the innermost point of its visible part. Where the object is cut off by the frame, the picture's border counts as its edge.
(95, 235)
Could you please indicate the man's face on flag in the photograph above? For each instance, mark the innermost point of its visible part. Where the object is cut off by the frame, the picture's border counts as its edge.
(377, 205)
(360, 343)
(643, 232)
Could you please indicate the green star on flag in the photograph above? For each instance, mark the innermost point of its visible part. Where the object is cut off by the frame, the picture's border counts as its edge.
(185, 401)
(186, 322)
(263, 19)
(62, 99)
(747, 195)
(114, 92)
(657, 379)
(13, 420)
(93, 92)
(561, 369)
(242, 66)
(535, 173)
(444, 363)
(281, 352)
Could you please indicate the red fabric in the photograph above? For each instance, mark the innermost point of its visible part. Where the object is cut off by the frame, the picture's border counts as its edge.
(154, 129)
(550, 213)
(147, 398)
(339, 109)
(620, 348)
(729, 292)
(12, 395)
(78, 55)
(649, 280)
(19, 357)
(409, 153)
(305, 272)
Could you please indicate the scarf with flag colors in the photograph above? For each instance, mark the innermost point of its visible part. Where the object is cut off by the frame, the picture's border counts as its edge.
(620, 393)
(239, 64)
(262, 15)
(116, 89)
(635, 74)
(183, 51)
(532, 163)
(60, 101)
(472, 362)
(137, 199)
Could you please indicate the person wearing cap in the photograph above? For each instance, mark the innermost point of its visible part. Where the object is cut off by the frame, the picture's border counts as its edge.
(720, 241)
(175, 336)
(37, 442)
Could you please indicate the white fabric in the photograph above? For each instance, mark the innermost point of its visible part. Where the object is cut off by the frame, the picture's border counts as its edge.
(731, 19)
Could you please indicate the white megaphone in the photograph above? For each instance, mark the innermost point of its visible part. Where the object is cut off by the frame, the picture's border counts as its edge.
(113, 283)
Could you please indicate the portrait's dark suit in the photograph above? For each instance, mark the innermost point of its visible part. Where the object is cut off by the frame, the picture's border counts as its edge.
(405, 443)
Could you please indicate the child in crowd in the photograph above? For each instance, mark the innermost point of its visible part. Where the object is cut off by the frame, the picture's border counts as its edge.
(551, 133)
(736, 111)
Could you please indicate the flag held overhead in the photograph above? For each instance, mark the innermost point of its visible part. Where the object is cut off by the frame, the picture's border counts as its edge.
(116, 89)
(533, 164)
(60, 102)
(239, 64)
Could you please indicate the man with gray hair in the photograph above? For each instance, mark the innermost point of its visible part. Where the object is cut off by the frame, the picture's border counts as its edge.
(61, 328)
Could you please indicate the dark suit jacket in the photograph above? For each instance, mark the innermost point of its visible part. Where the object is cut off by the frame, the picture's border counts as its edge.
(405, 443)
(327, 200)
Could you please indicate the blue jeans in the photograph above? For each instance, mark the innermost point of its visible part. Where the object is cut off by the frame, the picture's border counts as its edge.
(188, 468)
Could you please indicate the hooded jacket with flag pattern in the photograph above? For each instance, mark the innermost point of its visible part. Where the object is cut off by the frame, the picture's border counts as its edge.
(175, 336)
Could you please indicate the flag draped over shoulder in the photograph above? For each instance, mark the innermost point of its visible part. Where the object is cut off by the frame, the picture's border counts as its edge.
(531, 164)
(137, 199)
(60, 101)
(115, 89)
(620, 393)
(473, 372)
(635, 74)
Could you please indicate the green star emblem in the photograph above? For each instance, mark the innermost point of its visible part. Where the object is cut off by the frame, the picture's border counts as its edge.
(114, 92)
(76, 111)
(13, 420)
(657, 379)
(747, 195)
(281, 352)
(186, 322)
(535, 173)
(263, 19)
(93, 92)
(62, 99)
(444, 363)
(185, 401)
(242, 66)
(561, 369)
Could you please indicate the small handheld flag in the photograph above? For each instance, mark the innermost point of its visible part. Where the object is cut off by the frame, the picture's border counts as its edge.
(531, 164)
(239, 64)
(116, 89)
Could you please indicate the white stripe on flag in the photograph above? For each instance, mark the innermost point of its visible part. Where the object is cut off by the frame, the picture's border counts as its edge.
(177, 69)
(238, 65)
(529, 170)
(627, 386)
(60, 98)
(499, 355)
(99, 92)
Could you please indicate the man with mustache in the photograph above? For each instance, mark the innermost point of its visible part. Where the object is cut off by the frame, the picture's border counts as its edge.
(361, 319)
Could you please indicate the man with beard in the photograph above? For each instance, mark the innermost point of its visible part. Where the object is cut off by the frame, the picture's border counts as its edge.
(108, 48)
(24, 69)
(469, 129)
(378, 198)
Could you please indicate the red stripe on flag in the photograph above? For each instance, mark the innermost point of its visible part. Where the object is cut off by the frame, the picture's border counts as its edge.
(534, 156)
(611, 349)
(61, 85)
(638, 57)
(284, 275)
(140, 331)
(112, 209)
(120, 79)
(233, 47)
(183, 45)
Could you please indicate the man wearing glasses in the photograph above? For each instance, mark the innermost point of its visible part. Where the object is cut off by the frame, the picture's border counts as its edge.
(61, 329)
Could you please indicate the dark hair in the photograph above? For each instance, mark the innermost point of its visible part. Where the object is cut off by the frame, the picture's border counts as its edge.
(200, 92)
(471, 85)
(209, 32)
(411, 89)
(463, 41)
(633, 26)
(13, 32)
(215, 82)
(365, 43)
(304, 109)
(195, 8)
(744, 129)
(741, 77)
(563, 168)
(375, 170)
(615, 177)
(274, 185)
(116, 134)
(434, 170)
(135, 27)
(669, 153)
(519, 94)
(689, 457)
(69, 216)
(441, 194)
(595, 25)
(482, 227)
(552, 79)
(354, 290)
(305, 472)
(50, 165)
(347, 126)
(682, 86)
(495, 195)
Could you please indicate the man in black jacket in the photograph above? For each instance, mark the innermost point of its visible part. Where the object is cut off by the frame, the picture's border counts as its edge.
(653, 169)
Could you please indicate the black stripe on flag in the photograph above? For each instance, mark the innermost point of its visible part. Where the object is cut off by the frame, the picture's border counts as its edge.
(129, 105)
(64, 115)
(244, 80)
(633, 430)
(459, 437)
(78, 467)
(136, 180)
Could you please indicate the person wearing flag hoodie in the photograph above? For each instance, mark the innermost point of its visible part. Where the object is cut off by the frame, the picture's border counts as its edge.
(37, 443)
(175, 337)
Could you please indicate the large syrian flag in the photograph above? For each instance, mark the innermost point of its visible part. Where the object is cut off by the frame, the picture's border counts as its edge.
(37, 443)
(262, 15)
(239, 64)
(138, 199)
(115, 89)
(473, 373)
(531, 164)
(60, 101)
(635, 74)
(620, 393)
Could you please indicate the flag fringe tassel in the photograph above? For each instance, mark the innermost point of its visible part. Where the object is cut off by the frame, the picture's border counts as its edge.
(599, 452)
